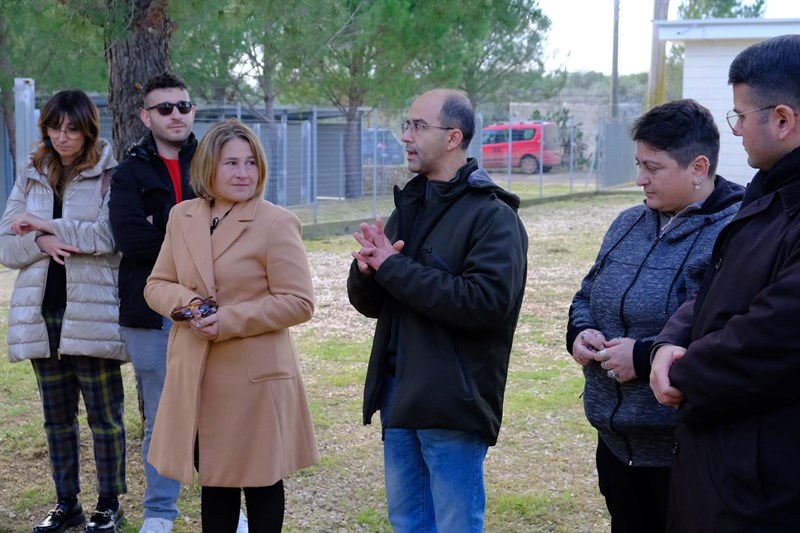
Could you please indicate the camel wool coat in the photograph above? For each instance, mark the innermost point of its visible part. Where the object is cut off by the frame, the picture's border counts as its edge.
(241, 395)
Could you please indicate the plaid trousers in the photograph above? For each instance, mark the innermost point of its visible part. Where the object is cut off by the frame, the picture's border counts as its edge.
(62, 379)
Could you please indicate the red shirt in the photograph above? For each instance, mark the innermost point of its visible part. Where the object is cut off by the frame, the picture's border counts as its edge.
(174, 168)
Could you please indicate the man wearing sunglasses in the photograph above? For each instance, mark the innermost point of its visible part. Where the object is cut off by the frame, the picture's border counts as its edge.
(445, 280)
(147, 184)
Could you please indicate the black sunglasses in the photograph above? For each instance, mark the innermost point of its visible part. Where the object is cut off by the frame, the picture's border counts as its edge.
(165, 108)
(203, 306)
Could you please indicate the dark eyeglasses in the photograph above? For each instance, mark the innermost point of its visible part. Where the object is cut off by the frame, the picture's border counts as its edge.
(203, 306)
(165, 108)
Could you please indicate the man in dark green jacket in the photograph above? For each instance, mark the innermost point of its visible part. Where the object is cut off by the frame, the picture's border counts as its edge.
(445, 279)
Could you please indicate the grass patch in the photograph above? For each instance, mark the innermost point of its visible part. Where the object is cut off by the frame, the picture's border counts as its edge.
(540, 476)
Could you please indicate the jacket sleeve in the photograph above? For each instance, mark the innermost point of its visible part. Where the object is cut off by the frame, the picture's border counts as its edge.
(365, 294)
(91, 237)
(752, 364)
(291, 291)
(136, 237)
(480, 297)
(17, 251)
(580, 312)
(678, 329)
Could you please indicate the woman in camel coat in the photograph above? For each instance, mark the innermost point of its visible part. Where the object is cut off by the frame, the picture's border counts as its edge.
(233, 404)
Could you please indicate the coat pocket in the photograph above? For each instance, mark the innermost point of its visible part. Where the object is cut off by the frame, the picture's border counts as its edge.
(270, 356)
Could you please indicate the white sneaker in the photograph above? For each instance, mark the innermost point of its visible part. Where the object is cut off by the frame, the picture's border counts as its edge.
(156, 525)
(242, 527)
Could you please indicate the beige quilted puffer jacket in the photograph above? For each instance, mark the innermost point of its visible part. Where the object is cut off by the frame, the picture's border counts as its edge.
(91, 319)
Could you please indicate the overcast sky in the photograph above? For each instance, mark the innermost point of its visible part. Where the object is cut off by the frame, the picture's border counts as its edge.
(581, 34)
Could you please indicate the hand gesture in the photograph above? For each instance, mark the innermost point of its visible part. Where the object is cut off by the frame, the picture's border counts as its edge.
(52, 246)
(28, 222)
(664, 358)
(586, 345)
(617, 359)
(375, 246)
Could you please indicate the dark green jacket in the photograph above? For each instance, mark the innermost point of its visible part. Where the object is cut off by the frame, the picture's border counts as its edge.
(447, 306)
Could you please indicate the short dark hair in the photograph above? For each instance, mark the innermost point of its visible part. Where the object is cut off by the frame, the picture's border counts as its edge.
(771, 69)
(683, 129)
(165, 80)
(457, 112)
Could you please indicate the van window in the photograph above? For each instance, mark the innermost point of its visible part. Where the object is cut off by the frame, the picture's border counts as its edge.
(523, 135)
(495, 136)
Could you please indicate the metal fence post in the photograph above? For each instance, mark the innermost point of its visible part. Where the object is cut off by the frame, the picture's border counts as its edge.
(25, 116)
(314, 162)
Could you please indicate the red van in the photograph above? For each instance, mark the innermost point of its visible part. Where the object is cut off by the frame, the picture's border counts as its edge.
(526, 149)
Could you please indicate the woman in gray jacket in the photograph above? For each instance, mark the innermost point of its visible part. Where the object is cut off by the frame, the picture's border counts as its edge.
(64, 308)
(652, 258)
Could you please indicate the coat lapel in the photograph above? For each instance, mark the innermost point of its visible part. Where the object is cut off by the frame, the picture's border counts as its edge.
(195, 230)
(232, 227)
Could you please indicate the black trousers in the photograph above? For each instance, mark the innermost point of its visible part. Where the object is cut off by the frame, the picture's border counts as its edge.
(219, 508)
(636, 497)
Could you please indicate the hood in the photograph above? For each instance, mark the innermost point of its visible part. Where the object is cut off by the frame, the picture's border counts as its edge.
(470, 177)
(725, 194)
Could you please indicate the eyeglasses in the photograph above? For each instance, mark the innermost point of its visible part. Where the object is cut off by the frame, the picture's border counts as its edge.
(71, 132)
(416, 126)
(733, 117)
(203, 306)
(165, 108)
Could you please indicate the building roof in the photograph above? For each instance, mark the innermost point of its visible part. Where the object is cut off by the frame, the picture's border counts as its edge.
(752, 29)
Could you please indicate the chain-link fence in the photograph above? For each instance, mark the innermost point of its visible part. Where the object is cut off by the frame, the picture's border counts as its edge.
(327, 169)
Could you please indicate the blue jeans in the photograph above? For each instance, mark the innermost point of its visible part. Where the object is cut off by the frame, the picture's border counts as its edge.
(434, 479)
(148, 351)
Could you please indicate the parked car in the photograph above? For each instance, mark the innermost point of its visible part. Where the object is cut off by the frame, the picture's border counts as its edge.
(386, 145)
(526, 148)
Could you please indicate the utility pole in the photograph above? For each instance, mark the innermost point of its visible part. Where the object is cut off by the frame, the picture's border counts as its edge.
(657, 81)
(614, 66)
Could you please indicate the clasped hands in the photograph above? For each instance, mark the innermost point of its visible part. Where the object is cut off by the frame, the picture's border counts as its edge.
(375, 246)
(615, 355)
(47, 243)
(663, 360)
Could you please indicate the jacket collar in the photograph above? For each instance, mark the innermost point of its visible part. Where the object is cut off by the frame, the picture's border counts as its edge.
(195, 227)
(146, 147)
(782, 182)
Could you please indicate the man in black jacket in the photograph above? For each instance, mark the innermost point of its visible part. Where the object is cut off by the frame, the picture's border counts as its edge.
(445, 281)
(147, 184)
(730, 358)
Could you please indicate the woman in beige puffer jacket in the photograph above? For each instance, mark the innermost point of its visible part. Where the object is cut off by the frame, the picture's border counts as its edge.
(64, 308)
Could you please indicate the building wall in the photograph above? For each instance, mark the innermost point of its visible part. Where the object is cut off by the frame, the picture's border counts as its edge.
(705, 79)
(710, 46)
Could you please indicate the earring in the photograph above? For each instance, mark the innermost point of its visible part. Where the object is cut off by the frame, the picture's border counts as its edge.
(697, 184)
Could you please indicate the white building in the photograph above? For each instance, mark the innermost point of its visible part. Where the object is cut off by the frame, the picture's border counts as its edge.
(710, 46)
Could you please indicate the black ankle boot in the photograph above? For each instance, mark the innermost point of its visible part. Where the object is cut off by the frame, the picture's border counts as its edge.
(107, 516)
(62, 517)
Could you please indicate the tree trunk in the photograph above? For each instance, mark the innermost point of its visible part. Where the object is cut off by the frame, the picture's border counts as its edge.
(353, 179)
(134, 54)
(7, 92)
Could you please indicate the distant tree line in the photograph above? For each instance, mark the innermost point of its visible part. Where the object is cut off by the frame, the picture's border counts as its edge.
(344, 53)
